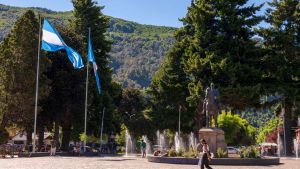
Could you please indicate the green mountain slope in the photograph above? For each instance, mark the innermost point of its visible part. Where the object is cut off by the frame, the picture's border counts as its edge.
(137, 49)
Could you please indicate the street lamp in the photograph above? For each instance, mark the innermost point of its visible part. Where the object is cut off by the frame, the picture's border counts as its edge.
(101, 131)
(179, 120)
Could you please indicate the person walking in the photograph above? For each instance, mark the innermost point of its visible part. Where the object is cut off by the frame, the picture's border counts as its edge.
(143, 148)
(53, 148)
(206, 155)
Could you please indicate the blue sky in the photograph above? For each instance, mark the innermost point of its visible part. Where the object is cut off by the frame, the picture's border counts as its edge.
(153, 12)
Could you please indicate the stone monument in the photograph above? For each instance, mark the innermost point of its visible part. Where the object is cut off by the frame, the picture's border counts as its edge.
(214, 136)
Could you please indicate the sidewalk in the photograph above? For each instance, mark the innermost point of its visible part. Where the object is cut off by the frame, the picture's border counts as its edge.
(289, 158)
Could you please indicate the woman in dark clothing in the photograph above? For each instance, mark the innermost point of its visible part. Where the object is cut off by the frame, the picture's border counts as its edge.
(206, 155)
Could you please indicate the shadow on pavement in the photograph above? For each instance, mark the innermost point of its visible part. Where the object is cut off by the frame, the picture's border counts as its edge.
(126, 159)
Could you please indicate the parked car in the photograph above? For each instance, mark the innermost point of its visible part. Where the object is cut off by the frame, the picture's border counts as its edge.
(232, 150)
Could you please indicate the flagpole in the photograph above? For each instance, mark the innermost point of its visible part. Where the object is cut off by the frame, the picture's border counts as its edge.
(86, 96)
(102, 127)
(37, 86)
(85, 109)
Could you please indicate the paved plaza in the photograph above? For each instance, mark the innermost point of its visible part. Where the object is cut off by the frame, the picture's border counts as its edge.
(115, 163)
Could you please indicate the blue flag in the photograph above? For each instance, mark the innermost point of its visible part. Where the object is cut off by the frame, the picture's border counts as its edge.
(91, 58)
(52, 42)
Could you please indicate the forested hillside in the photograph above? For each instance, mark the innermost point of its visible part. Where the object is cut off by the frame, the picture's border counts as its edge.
(137, 50)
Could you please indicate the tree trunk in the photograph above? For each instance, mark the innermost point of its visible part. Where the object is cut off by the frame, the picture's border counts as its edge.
(287, 105)
(66, 138)
(29, 139)
(29, 136)
(66, 128)
(56, 131)
(41, 137)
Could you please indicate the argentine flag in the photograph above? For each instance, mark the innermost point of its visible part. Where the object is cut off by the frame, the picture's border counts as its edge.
(91, 58)
(52, 42)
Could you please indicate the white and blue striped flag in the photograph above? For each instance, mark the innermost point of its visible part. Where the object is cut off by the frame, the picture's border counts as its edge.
(91, 58)
(52, 42)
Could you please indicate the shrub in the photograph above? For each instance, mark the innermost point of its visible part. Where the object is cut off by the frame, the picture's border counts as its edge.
(191, 153)
(181, 152)
(121, 149)
(237, 130)
(269, 129)
(221, 153)
(91, 138)
(249, 152)
(172, 153)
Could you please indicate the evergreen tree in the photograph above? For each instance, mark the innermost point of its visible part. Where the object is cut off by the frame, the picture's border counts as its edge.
(4, 52)
(131, 110)
(222, 51)
(65, 104)
(281, 61)
(214, 46)
(168, 92)
(19, 58)
(89, 15)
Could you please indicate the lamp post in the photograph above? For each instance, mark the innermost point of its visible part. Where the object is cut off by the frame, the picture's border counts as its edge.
(179, 120)
(101, 131)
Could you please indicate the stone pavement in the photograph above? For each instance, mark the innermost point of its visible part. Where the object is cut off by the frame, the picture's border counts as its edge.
(116, 163)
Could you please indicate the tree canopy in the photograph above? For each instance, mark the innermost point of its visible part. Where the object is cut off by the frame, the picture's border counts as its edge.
(19, 53)
(88, 15)
(214, 46)
(237, 130)
(281, 58)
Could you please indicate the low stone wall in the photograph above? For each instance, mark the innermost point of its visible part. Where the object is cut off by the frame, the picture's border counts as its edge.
(42, 154)
(216, 161)
(173, 160)
(67, 154)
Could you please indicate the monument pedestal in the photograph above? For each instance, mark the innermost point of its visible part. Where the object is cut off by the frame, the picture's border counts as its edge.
(214, 137)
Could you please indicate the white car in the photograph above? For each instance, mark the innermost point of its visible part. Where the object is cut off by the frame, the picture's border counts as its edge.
(232, 150)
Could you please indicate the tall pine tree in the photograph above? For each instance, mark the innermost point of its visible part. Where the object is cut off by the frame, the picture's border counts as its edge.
(89, 15)
(281, 61)
(222, 50)
(65, 105)
(214, 46)
(168, 92)
(19, 58)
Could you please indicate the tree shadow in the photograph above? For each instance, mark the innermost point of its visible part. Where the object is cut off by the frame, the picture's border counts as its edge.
(125, 159)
